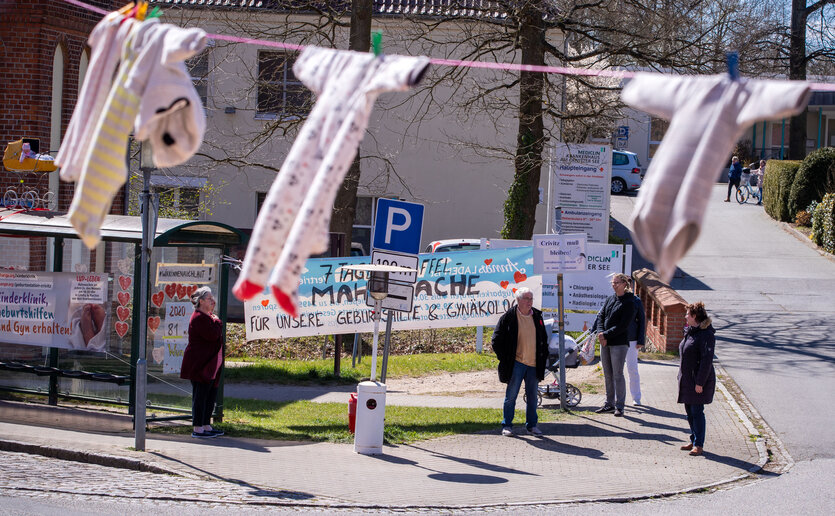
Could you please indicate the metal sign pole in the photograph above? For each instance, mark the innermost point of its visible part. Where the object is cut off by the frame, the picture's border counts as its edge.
(141, 364)
(378, 303)
(386, 344)
(561, 316)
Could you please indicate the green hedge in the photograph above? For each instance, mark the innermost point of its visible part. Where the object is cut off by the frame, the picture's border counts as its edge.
(814, 179)
(823, 223)
(779, 176)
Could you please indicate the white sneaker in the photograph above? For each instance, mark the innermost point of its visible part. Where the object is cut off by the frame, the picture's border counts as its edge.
(507, 432)
(535, 431)
(636, 403)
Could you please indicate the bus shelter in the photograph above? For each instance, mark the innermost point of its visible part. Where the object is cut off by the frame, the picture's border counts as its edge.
(70, 320)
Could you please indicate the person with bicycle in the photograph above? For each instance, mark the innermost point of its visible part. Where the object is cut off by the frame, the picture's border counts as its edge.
(760, 175)
(734, 176)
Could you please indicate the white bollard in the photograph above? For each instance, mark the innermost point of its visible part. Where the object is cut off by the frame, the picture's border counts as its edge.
(371, 413)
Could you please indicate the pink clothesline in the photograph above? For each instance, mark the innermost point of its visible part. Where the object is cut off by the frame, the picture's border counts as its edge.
(620, 74)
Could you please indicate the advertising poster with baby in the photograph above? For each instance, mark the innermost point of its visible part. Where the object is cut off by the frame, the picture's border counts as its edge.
(54, 309)
(472, 288)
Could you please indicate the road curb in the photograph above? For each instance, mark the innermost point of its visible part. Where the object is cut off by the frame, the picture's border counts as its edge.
(737, 400)
(788, 228)
(101, 459)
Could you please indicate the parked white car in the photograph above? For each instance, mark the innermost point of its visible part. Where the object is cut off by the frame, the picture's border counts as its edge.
(454, 244)
(627, 172)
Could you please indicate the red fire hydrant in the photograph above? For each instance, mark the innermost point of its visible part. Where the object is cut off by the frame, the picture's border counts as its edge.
(352, 412)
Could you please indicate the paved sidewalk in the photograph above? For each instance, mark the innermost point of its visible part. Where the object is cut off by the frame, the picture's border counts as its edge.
(588, 457)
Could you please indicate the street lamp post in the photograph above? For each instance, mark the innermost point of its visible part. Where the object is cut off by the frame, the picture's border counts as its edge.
(149, 221)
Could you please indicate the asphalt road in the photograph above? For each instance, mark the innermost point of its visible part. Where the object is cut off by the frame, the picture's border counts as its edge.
(770, 294)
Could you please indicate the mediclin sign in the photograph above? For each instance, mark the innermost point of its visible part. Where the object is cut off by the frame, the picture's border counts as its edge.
(581, 187)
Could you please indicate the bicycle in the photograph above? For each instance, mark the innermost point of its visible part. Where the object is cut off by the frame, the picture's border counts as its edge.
(745, 190)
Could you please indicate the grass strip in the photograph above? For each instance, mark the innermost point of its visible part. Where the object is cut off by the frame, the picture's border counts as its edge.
(328, 422)
(321, 371)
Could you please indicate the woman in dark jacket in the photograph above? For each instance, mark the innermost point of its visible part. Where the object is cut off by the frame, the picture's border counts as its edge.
(203, 360)
(696, 377)
(612, 327)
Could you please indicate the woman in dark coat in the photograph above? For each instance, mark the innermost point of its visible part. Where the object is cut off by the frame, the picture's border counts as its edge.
(612, 327)
(696, 377)
(203, 361)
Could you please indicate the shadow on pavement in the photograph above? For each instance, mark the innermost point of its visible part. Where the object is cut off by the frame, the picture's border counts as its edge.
(472, 462)
(777, 341)
(550, 443)
(730, 461)
(462, 478)
(254, 490)
(599, 427)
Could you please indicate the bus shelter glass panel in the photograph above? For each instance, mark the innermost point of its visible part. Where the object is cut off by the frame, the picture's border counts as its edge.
(83, 313)
(176, 273)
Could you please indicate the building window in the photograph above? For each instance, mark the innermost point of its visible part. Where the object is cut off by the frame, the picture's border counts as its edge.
(657, 129)
(198, 67)
(280, 93)
(178, 202)
(363, 222)
(179, 196)
(260, 199)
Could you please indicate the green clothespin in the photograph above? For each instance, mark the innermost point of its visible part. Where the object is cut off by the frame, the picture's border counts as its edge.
(156, 12)
(377, 42)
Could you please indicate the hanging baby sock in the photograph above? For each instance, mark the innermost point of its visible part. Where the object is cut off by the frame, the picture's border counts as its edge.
(707, 116)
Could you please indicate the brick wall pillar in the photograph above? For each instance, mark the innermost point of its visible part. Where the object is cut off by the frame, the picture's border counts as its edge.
(665, 310)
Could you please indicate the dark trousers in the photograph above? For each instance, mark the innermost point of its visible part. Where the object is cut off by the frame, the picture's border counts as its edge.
(732, 183)
(203, 397)
(696, 420)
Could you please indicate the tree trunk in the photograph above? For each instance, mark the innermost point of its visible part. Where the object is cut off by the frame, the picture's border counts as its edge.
(345, 205)
(520, 206)
(797, 72)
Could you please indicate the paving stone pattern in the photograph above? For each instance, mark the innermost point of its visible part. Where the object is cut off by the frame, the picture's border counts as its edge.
(588, 457)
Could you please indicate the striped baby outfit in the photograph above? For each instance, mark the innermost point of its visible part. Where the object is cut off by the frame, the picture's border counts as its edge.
(104, 170)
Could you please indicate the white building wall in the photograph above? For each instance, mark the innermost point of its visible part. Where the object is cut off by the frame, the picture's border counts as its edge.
(463, 191)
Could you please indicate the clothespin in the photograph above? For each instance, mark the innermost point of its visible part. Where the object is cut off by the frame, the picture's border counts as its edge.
(156, 12)
(733, 65)
(141, 10)
(124, 10)
(377, 42)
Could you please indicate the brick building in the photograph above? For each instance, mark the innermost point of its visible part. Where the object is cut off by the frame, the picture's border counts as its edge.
(44, 57)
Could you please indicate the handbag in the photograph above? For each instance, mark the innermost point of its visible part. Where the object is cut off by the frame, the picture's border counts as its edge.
(586, 348)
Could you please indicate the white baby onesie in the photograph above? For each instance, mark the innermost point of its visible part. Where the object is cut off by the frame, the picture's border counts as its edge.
(104, 170)
(707, 116)
(294, 221)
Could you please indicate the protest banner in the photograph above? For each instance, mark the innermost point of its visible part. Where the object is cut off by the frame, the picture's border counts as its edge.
(472, 288)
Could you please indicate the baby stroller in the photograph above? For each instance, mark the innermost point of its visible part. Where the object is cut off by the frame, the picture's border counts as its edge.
(22, 157)
(551, 390)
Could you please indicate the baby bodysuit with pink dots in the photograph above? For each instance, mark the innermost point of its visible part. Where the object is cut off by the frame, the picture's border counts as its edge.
(707, 116)
(295, 219)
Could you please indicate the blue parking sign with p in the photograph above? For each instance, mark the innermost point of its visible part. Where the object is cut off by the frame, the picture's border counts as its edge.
(398, 226)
